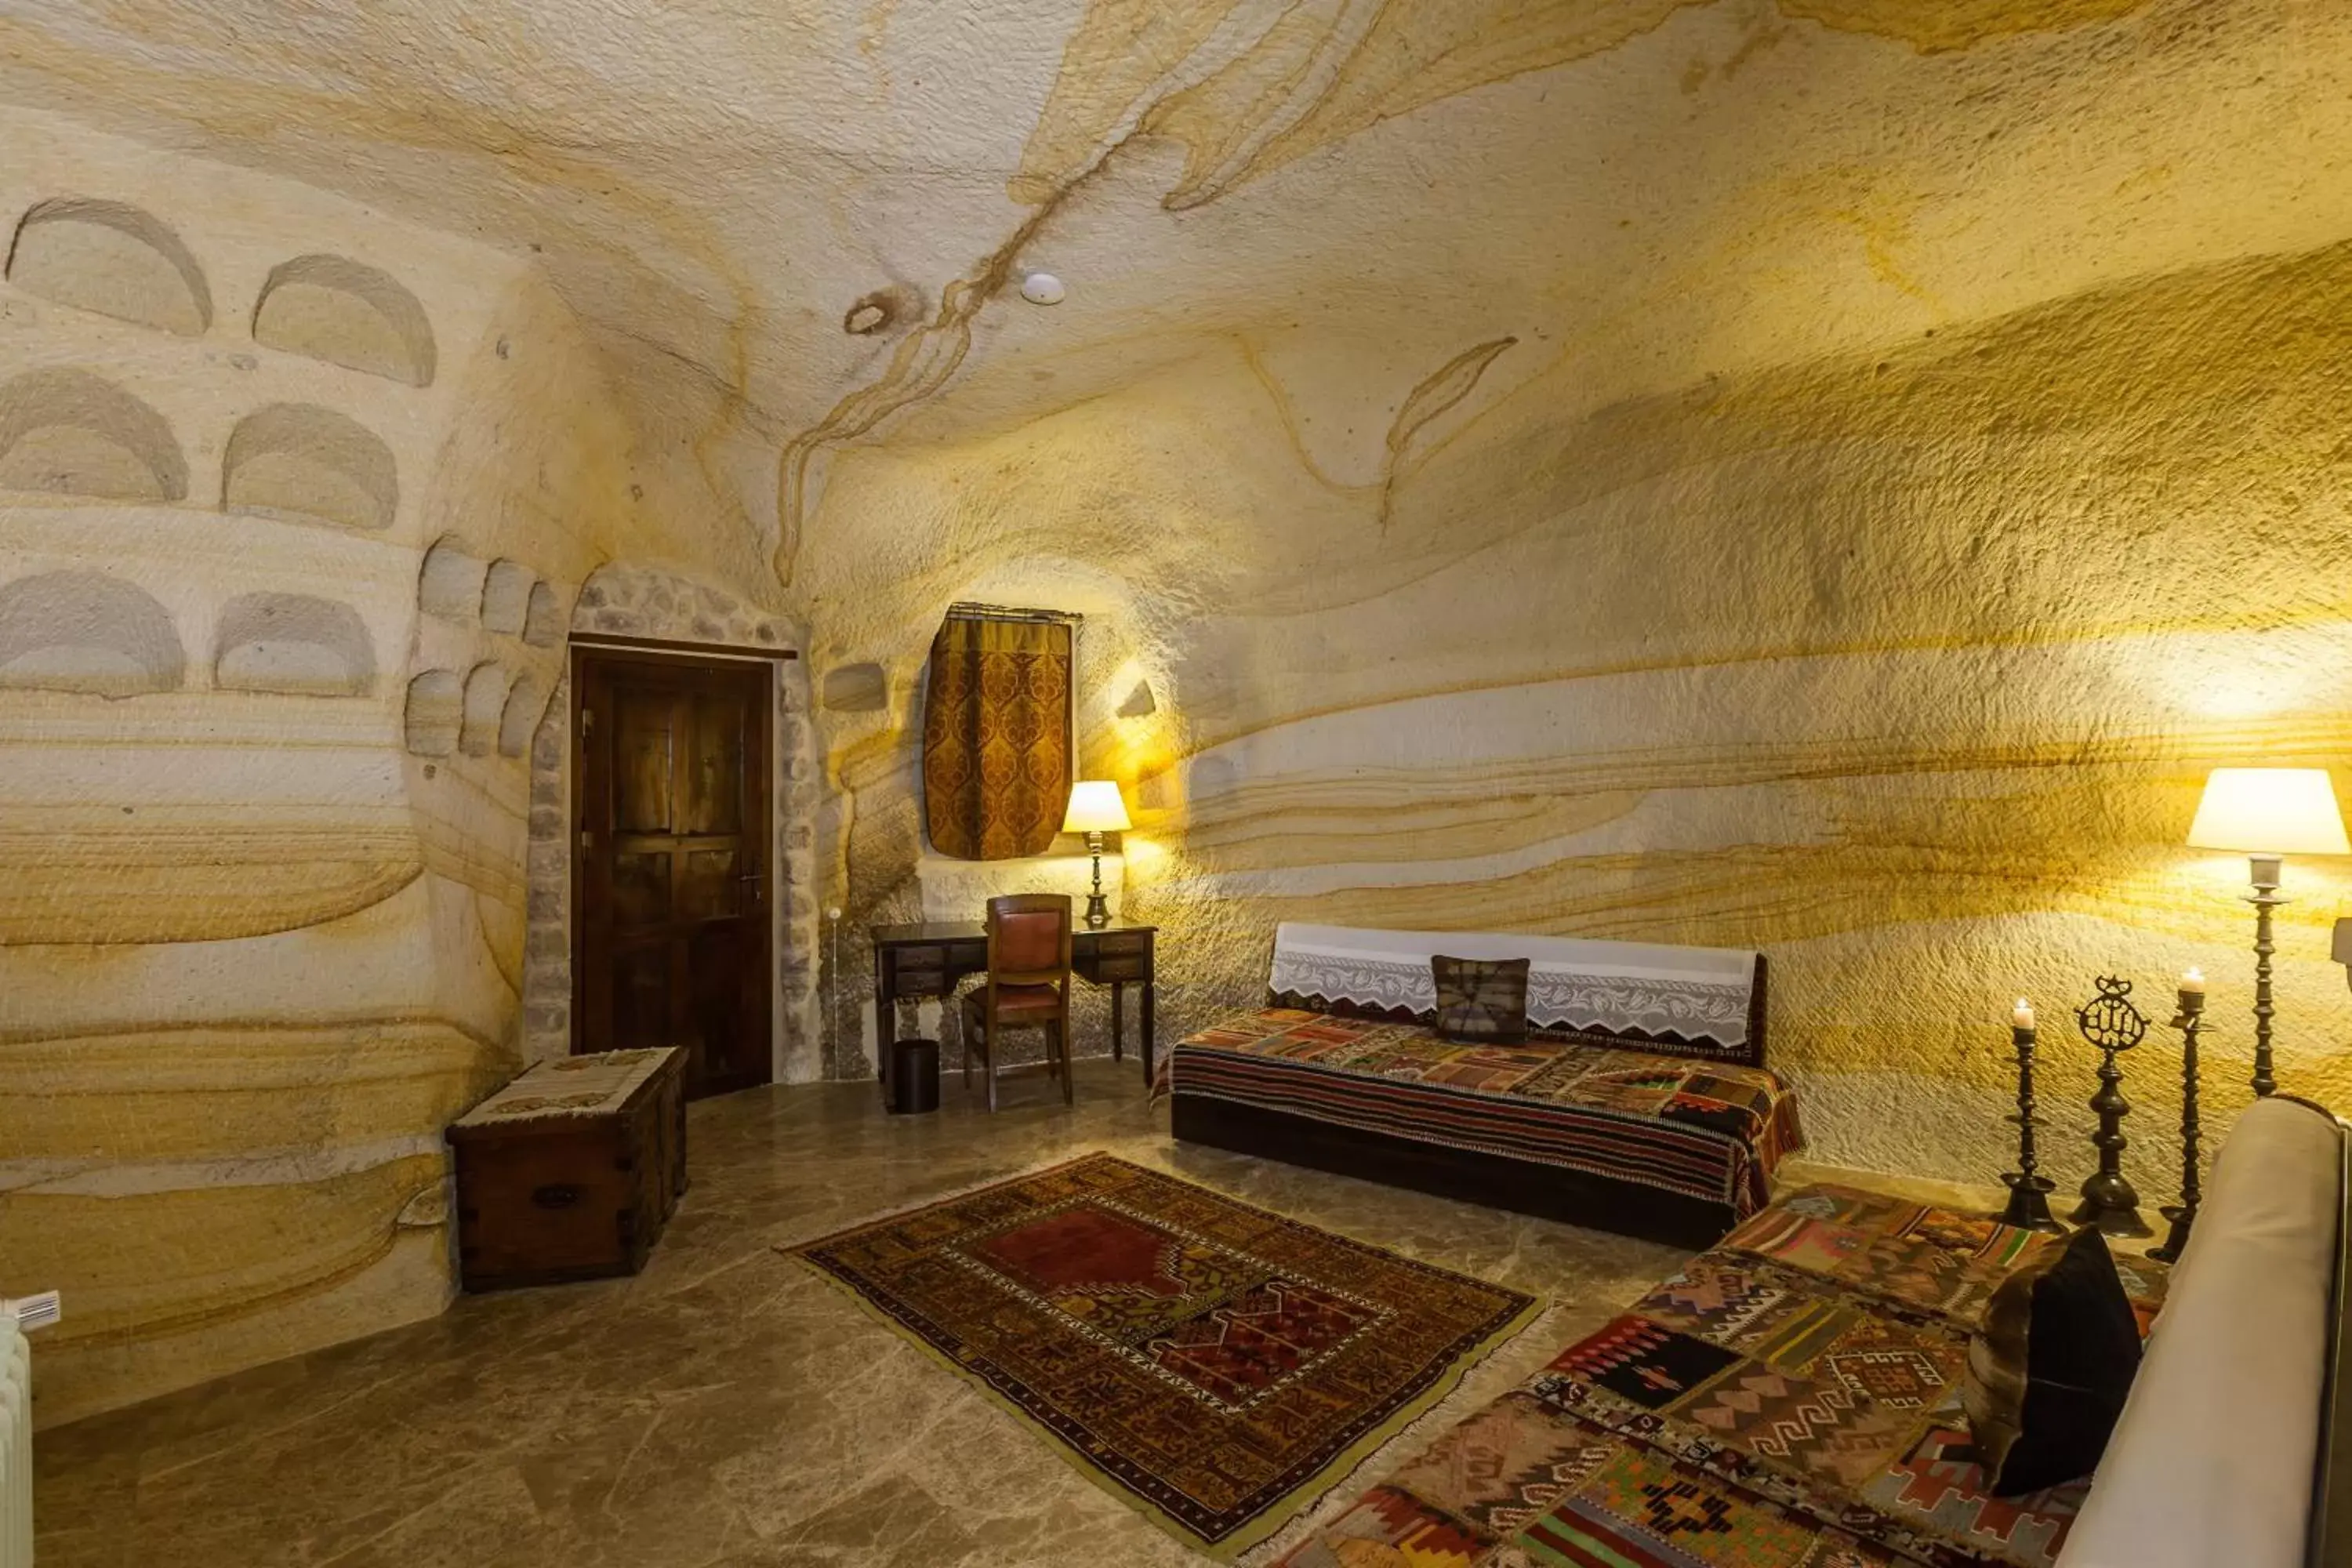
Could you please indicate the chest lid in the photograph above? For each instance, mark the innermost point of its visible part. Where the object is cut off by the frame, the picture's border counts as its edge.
(588, 1086)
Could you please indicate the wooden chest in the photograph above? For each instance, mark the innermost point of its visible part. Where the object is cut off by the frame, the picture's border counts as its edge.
(571, 1170)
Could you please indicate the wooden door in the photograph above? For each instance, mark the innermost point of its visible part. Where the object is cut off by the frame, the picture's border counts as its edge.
(671, 813)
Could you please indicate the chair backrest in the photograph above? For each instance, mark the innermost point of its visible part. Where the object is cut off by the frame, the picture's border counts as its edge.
(1029, 939)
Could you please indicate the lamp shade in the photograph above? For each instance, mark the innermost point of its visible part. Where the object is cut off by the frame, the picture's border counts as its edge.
(1095, 807)
(2271, 811)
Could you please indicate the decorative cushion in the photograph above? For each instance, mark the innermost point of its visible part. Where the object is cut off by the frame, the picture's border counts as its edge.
(1481, 1001)
(2049, 1369)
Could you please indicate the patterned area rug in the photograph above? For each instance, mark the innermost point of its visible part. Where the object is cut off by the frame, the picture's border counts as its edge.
(1215, 1364)
(1789, 1400)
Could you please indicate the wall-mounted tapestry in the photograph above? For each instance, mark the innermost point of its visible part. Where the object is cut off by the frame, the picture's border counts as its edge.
(996, 733)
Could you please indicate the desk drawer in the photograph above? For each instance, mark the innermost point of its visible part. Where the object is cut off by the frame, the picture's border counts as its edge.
(1122, 966)
(1119, 943)
(919, 972)
(909, 982)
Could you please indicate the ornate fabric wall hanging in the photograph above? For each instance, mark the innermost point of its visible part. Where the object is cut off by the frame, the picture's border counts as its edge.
(996, 734)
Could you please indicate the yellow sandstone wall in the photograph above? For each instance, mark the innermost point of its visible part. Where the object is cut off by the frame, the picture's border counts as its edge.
(1843, 513)
(261, 889)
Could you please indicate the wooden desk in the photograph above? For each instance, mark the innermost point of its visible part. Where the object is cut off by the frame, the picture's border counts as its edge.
(912, 961)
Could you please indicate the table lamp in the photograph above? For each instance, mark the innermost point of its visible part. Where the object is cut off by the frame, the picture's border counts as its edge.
(1095, 809)
(2268, 814)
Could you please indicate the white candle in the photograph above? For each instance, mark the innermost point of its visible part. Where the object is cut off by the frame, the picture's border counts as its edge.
(2024, 1017)
(2193, 983)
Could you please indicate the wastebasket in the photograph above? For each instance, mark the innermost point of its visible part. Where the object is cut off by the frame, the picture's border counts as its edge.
(914, 1077)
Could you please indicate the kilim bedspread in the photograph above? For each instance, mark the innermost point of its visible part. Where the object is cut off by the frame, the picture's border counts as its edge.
(1216, 1364)
(1789, 1400)
(1711, 1131)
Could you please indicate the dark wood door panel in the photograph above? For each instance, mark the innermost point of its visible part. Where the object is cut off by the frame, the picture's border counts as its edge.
(640, 888)
(734, 1060)
(710, 887)
(711, 798)
(644, 758)
(672, 797)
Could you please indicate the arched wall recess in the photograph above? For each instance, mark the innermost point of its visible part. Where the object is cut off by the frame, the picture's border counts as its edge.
(111, 257)
(67, 432)
(451, 582)
(543, 620)
(302, 461)
(485, 709)
(84, 631)
(856, 689)
(435, 705)
(294, 644)
(525, 703)
(348, 313)
(506, 598)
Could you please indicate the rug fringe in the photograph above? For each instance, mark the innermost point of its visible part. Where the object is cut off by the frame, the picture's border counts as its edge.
(1425, 1429)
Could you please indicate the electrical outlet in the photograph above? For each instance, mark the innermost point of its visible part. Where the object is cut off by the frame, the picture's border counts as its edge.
(34, 1311)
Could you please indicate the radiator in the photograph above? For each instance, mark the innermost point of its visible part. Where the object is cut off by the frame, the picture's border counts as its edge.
(17, 1425)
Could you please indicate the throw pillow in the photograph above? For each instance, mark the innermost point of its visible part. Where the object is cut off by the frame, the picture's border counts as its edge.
(2049, 1370)
(1481, 1001)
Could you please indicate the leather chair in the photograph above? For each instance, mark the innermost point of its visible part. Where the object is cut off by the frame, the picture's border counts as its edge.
(1028, 985)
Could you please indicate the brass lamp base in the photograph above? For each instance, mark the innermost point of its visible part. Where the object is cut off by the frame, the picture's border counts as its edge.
(1098, 907)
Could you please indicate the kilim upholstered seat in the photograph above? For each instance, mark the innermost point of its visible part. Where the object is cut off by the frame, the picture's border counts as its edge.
(1638, 1101)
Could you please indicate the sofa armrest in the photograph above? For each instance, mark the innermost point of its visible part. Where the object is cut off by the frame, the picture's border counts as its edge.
(2213, 1457)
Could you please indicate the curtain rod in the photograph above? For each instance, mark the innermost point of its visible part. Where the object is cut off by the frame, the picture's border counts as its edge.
(969, 612)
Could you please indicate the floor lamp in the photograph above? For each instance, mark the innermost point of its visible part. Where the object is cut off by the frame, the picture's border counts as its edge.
(2268, 814)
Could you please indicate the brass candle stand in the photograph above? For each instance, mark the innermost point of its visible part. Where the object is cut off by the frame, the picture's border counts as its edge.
(2028, 1191)
(2111, 1023)
(2190, 1022)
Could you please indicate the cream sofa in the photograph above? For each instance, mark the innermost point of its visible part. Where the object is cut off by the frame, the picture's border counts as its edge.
(2234, 1449)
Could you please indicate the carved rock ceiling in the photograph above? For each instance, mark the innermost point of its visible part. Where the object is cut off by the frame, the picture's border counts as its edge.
(1356, 191)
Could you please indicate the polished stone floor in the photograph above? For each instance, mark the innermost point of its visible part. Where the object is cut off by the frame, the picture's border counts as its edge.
(725, 1408)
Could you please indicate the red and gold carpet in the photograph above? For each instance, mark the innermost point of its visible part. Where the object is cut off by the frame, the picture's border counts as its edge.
(1215, 1364)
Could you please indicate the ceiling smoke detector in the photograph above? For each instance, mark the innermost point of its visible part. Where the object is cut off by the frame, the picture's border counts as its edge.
(1042, 289)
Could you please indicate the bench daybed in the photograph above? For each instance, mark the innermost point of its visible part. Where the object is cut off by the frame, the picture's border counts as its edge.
(1640, 1102)
(1792, 1398)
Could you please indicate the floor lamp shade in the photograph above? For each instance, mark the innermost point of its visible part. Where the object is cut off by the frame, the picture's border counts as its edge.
(2270, 811)
(2268, 814)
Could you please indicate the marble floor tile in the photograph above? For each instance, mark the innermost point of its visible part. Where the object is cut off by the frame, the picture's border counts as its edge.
(727, 1408)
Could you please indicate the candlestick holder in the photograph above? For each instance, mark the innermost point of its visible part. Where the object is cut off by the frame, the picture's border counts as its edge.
(2190, 1022)
(2111, 1023)
(2028, 1191)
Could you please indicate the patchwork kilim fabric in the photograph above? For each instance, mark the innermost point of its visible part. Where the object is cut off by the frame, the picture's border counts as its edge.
(1789, 1400)
(1215, 1363)
(1711, 1131)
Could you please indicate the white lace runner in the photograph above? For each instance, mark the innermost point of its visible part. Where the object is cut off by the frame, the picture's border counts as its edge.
(1610, 987)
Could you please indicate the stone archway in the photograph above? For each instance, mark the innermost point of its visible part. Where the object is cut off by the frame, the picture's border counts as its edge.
(633, 601)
